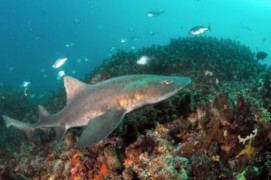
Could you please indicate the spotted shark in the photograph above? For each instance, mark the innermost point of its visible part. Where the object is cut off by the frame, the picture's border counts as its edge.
(101, 106)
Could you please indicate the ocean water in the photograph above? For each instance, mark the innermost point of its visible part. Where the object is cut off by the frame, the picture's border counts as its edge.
(217, 127)
(34, 34)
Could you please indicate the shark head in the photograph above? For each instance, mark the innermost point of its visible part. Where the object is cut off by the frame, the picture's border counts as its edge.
(157, 88)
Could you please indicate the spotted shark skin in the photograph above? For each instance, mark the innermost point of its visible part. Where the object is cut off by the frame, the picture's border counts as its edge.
(101, 106)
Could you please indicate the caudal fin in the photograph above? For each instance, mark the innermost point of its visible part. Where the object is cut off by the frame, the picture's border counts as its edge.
(27, 128)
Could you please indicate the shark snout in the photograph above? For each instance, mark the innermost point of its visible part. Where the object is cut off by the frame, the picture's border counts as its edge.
(181, 82)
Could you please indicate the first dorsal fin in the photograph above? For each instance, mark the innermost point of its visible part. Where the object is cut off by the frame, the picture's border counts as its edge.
(72, 87)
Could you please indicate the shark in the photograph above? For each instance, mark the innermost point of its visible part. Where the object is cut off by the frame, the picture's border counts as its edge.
(101, 106)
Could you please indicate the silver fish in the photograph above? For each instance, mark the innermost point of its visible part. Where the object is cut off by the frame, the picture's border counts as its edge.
(59, 62)
(154, 13)
(199, 30)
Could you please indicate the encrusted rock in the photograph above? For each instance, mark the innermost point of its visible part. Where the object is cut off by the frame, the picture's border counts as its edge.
(112, 159)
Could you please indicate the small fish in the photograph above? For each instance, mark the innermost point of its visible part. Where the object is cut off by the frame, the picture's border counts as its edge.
(112, 49)
(99, 77)
(74, 71)
(199, 30)
(76, 21)
(59, 62)
(245, 27)
(133, 48)
(79, 60)
(261, 55)
(26, 84)
(154, 13)
(123, 40)
(60, 74)
(70, 45)
(37, 37)
(143, 60)
(134, 38)
(152, 33)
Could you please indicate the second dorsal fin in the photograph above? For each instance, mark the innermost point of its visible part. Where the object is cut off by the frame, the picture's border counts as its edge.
(43, 112)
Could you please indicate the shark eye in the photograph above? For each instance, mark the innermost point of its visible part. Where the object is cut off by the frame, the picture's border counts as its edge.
(166, 82)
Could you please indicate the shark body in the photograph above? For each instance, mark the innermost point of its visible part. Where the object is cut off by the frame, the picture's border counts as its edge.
(100, 107)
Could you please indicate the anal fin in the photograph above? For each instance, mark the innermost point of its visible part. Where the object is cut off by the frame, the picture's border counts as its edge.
(100, 127)
(60, 132)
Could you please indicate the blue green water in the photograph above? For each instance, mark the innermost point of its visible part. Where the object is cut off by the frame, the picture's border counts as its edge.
(36, 33)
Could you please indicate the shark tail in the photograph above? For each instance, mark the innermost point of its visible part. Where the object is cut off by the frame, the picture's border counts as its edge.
(27, 128)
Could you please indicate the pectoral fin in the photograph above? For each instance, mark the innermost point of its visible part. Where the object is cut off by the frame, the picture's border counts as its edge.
(100, 127)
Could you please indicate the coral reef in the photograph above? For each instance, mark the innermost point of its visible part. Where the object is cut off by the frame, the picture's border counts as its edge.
(218, 128)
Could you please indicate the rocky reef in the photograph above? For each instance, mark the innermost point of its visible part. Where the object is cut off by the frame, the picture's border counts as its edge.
(217, 128)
